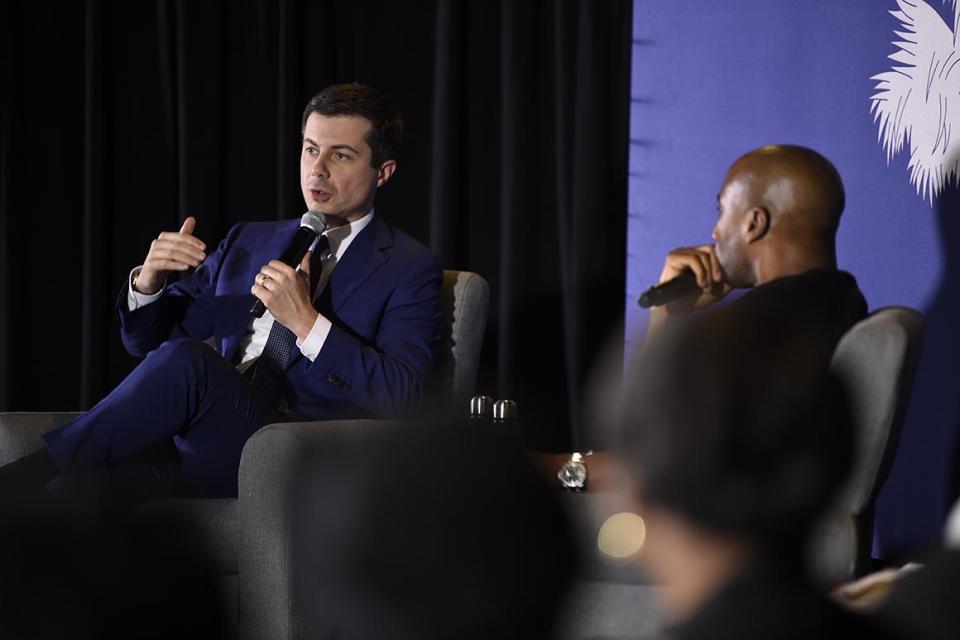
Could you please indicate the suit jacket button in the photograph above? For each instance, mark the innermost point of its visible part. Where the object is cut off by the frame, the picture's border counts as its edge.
(332, 379)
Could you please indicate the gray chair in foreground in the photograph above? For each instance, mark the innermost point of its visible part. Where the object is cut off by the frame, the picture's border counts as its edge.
(244, 538)
(877, 358)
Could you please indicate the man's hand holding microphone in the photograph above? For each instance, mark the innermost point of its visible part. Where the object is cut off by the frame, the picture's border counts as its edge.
(692, 278)
(285, 292)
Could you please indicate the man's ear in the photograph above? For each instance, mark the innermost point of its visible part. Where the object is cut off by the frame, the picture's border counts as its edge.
(385, 172)
(756, 224)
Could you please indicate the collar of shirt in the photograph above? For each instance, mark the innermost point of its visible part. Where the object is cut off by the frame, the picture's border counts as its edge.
(341, 237)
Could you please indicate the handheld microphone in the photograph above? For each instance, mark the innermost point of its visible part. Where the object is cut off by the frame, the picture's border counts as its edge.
(312, 224)
(666, 292)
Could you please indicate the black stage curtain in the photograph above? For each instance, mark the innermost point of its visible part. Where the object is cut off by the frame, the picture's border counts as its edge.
(121, 118)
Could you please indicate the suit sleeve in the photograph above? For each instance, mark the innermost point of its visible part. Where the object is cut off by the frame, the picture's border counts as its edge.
(387, 377)
(185, 310)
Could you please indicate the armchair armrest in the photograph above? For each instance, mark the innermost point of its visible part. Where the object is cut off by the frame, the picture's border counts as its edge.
(20, 432)
(269, 468)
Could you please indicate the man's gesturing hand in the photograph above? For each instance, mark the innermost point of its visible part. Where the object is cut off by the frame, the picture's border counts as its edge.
(285, 292)
(171, 251)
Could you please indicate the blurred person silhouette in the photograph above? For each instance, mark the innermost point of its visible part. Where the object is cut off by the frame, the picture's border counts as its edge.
(738, 439)
(916, 600)
(439, 530)
(67, 574)
(921, 601)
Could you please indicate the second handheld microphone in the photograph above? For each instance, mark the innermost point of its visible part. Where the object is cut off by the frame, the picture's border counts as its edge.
(666, 292)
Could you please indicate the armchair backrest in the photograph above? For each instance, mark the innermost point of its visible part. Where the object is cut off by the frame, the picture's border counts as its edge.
(465, 298)
(877, 359)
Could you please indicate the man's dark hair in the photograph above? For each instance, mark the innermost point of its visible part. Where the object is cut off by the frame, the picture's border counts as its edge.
(356, 99)
(737, 433)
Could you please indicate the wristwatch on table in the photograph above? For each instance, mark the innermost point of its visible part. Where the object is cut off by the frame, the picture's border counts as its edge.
(573, 474)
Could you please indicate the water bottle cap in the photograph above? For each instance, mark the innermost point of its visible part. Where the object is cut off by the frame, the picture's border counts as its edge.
(505, 410)
(481, 406)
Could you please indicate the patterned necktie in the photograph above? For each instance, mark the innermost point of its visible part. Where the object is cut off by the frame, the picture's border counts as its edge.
(277, 352)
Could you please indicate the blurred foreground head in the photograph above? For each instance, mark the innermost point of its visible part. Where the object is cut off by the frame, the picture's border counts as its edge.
(429, 531)
(736, 432)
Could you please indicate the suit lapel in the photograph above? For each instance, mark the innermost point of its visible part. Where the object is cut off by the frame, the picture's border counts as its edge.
(272, 247)
(363, 257)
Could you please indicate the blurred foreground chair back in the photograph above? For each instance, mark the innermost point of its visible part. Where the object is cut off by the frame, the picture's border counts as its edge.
(877, 358)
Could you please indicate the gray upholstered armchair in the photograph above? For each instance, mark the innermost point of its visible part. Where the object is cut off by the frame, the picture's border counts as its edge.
(245, 539)
(877, 358)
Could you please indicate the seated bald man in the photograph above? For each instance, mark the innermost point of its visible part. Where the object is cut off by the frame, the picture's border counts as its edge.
(779, 210)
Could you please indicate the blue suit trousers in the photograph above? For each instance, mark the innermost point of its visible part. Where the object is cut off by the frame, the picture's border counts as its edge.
(182, 390)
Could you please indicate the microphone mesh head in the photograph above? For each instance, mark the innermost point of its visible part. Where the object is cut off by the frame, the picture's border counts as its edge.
(314, 220)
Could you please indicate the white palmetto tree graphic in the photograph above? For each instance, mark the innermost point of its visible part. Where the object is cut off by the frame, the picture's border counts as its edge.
(920, 100)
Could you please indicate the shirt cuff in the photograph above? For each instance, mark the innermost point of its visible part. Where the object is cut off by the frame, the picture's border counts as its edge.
(135, 299)
(315, 339)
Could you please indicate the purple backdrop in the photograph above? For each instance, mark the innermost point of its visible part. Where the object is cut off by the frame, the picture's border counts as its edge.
(713, 80)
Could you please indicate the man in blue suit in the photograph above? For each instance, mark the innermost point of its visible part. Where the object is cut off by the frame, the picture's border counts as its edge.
(357, 325)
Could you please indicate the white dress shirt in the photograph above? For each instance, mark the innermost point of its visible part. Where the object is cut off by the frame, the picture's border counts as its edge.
(253, 341)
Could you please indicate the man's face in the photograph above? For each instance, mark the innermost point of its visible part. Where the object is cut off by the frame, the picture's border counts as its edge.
(730, 247)
(335, 173)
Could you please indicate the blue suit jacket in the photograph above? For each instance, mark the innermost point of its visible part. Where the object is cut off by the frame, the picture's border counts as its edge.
(383, 299)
